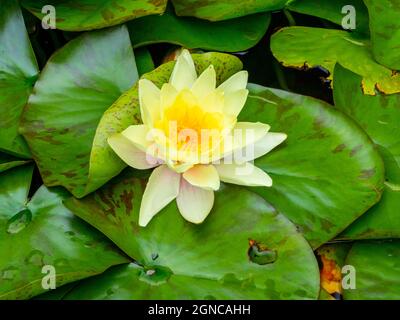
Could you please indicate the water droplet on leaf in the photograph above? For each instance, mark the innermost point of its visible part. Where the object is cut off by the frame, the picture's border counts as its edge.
(9, 273)
(35, 258)
(19, 221)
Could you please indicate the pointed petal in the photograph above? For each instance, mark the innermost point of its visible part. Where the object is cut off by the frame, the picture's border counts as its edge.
(261, 147)
(205, 84)
(149, 98)
(236, 82)
(161, 189)
(245, 174)
(234, 101)
(194, 203)
(243, 134)
(139, 135)
(130, 154)
(184, 73)
(203, 176)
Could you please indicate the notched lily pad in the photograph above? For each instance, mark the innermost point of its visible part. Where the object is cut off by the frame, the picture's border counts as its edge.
(326, 174)
(18, 73)
(379, 116)
(76, 86)
(201, 260)
(42, 232)
(304, 47)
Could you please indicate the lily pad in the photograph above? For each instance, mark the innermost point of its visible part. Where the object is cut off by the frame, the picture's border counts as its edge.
(179, 259)
(304, 47)
(8, 162)
(332, 10)
(379, 116)
(105, 164)
(77, 85)
(229, 36)
(79, 15)
(377, 266)
(385, 31)
(42, 232)
(326, 174)
(18, 73)
(216, 10)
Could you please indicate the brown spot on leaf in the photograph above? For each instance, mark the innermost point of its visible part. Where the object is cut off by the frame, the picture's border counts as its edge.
(339, 148)
(366, 174)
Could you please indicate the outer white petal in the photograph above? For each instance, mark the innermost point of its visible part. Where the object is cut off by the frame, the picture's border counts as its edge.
(139, 135)
(149, 98)
(260, 148)
(236, 82)
(161, 189)
(130, 154)
(184, 73)
(194, 203)
(205, 83)
(243, 134)
(245, 174)
(234, 101)
(203, 176)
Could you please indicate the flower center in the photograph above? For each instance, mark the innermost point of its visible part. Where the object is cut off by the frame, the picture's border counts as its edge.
(188, 125)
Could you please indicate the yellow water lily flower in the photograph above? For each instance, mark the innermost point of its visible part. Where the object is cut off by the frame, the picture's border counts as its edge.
(191, 136)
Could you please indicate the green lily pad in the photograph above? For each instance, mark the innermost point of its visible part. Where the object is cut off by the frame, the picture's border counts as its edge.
(18, 73)
(379, 116)
(179, 259)
(79, 15)
(77, 85)
(385, 31)
(229, 36)
(216, 10)
(41, 231)
(125, 111)
(332, 10)
(304, 47)
(8, 162)
(377, 266)
(326, 174)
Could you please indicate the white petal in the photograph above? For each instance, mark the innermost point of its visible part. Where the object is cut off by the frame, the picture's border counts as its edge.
(260, 148)
(161, 189)
(236, 82)
(203, 176)
(245, 174)
(149, 98)
(234, 101)
(194, 203)
(130, 154)
(139, 135)
(184, 73)
(243, 134)
(205, 84)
